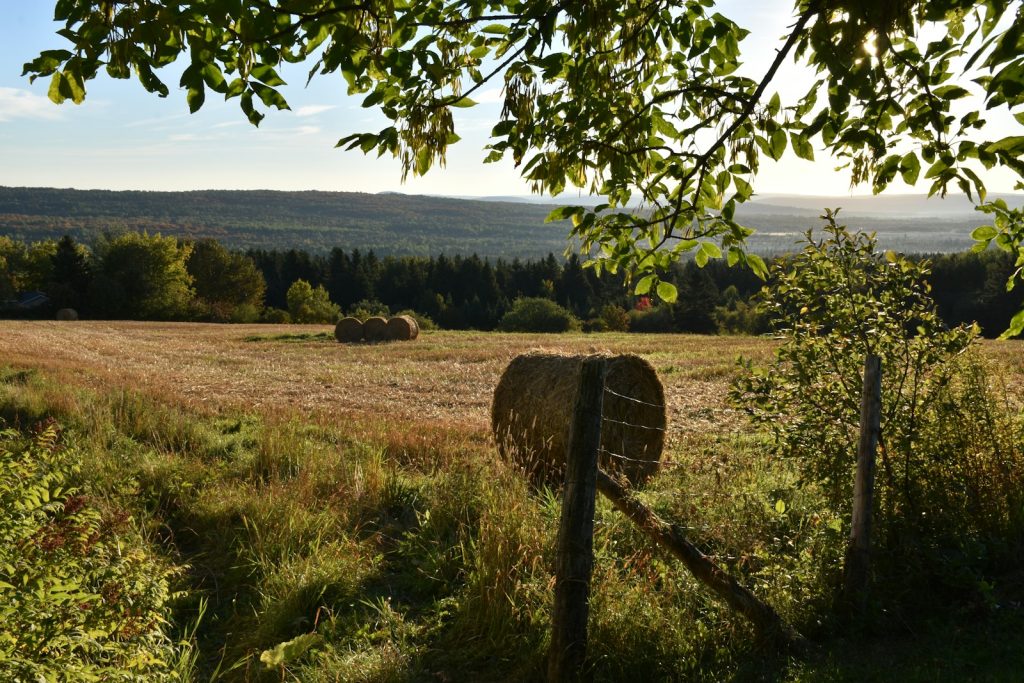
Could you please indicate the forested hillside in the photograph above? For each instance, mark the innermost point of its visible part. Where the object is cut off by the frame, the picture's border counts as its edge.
(416, 225)
(390, 223)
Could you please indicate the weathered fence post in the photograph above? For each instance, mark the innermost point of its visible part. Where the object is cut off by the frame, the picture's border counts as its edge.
(575, 553)
(858, 552)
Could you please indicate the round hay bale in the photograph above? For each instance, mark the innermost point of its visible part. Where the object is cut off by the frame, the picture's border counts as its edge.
(403, 328)
(532, 412)
(348, 330)
(67, 314)
(375, 329)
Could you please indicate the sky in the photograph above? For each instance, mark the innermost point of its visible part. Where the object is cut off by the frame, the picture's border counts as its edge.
(122, 137)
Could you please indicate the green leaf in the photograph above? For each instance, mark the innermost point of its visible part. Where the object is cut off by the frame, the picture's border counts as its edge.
(266, 74)
(780, 506)
(984, 233)
(214, 78)
(54, 93)
(643, 286)
(563, 212)
(778, 144)
(910, 168)
(802, 146)
(1016, 327)
(290, 650)
(463, 103)
(667, 292)
(757, 264)
(195, 98)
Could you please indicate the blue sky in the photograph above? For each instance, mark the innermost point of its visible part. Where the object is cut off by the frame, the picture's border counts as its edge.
(122, 137)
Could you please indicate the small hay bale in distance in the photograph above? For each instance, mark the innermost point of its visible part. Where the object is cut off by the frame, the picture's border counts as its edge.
(67, 314)
(348, 330)
(533, 405)
(375, 329)
(403, 328)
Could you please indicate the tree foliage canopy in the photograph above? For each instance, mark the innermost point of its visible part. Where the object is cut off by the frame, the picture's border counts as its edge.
(622, 98)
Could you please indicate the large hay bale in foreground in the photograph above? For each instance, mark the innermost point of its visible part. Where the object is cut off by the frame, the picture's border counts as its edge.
(403, 328)
(532, 412)
(348, 330)
(375, 329)
(67, 314)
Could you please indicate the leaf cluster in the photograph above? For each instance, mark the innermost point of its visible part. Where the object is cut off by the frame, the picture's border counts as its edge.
(634, 101)
(78, 600)
(833, 304)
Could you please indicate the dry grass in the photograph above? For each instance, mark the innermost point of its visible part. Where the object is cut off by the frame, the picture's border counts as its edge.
(444, 381)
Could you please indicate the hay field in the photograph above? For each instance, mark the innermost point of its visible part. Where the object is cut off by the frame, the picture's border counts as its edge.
(443, 380)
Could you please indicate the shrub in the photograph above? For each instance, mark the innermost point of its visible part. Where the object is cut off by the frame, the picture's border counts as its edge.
(836, 302)
(423, 320)
(276, 316)
(369, 308)
(80, 598)
(615, 318)
(652, 319)
(307, 304)
(534, 314)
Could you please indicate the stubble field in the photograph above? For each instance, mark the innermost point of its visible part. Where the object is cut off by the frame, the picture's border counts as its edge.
(443, 380)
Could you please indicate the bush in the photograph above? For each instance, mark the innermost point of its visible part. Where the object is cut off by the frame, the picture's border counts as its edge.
(276, 316)
(615, 318)
(944, 440)
(424, 321)
(308, 305)
(654, 319)
(369, 308)
(534, 314)
(80, 598)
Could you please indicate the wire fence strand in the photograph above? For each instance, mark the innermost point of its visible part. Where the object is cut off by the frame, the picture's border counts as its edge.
(630, 398)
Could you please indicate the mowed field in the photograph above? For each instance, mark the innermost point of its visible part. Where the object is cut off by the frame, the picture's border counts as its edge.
(441, 381)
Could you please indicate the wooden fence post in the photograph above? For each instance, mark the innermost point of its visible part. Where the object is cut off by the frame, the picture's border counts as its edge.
(575, 553)
(858, 552)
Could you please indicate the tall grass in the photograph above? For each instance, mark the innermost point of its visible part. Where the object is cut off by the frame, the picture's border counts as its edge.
(421, 556)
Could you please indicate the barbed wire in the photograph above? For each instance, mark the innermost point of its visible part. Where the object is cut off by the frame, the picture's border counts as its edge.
(630, 398)
(630, 424)
(626, 458)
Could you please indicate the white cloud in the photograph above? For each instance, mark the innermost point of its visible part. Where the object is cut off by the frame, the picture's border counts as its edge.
(18, 103)
(313, 109)
(488, 96)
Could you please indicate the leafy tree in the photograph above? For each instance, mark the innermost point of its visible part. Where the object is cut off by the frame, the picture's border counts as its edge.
(836, 302)
(225, 281)
(538, 315)
(307, 304)
(142, 277)
(71, 274)
(24, 267)
(616, 97)
(948, 488)
(12, 256)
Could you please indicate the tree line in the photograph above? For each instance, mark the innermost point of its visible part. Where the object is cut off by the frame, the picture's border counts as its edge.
(135, 275)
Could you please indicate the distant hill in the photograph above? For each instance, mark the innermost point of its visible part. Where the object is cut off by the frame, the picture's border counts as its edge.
(402, 224)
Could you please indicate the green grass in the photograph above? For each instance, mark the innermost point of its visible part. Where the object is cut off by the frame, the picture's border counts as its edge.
(435, 563)
(300, 337)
